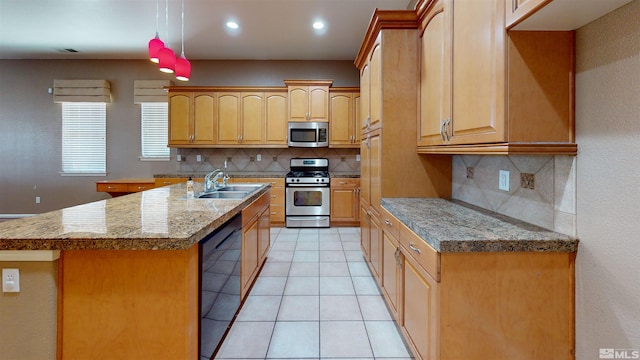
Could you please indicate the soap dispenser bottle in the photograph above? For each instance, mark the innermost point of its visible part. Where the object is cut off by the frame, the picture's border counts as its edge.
(190, 193)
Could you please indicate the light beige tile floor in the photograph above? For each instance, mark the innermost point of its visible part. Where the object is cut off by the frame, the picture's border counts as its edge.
(314, 299)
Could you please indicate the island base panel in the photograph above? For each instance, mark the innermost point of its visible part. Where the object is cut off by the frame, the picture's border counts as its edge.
(129, 304)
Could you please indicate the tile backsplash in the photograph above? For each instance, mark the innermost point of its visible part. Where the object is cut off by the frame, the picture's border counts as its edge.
(246, 159)
(542, 189)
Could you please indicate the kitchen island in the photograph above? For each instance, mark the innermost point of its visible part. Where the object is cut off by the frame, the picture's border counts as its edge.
(128, 274)
(466, 283)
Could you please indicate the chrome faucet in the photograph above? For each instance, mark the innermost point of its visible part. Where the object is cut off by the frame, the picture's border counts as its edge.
(210, 184)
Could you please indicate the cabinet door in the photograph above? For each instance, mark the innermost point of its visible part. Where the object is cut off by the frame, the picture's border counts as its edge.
(391, 262)
(298, 103)
(365, 234)
(318, 103)
(478, 70)
(204, 115)
(365, 170)
(376, 247)
(249, 251)
(341, 123)
(420, 301)
(375, 90)
(276, 119)
(375, 170)
(435, 82)
(252, 124)
(355, 119)
(228, 118)
(263, 235)
(343, 207)
(365, 97)
(180, 119)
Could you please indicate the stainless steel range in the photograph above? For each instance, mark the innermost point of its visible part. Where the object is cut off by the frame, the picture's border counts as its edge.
(307, 193)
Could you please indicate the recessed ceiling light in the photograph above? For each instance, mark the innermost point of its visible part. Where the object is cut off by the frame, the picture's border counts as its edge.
(318, 25)
(232, 25)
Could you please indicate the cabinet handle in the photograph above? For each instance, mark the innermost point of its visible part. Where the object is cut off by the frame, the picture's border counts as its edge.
(110, 187)
(273, 196)
(273, 213)
(140, 187)
(367, 142)
(342, 183)
(368, 122)
(386, 221)
(414, 248)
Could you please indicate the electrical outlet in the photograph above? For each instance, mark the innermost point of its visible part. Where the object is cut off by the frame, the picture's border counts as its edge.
(503, 180)
(178, 157)
(198, 158)
(10, 280)
(259, 157)
(37, 199)
(358, 157)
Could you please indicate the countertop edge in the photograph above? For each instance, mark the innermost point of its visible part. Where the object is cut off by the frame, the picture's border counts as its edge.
(561, 243)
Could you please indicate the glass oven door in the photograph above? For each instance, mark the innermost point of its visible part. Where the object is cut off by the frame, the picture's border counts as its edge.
(307, 200)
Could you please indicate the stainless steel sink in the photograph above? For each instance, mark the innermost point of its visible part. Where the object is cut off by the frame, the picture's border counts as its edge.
(223, 195)
(240, 187)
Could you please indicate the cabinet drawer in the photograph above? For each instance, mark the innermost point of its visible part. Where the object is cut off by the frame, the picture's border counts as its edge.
(345, 182)
(389, 223)
(169, 181)
(111, 187)
(277, 213)
(426, 256)
(272, 181)
(277, 195)
(255, 208)
(139, 187)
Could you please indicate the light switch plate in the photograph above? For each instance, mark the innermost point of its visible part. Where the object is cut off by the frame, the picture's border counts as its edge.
(503, 181)
(10, 280)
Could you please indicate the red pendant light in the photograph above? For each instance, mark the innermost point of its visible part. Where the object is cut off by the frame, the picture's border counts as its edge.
(167, 59)
(183, 66)
(155, 45)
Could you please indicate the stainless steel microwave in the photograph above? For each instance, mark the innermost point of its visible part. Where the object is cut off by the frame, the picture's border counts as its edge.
(308, 134)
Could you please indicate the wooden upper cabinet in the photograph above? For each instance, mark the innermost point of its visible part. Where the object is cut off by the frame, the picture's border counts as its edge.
(252, 119)
(308, 100)
(375, 87)
(365, 96)
(486, 91)
(276, 118)
(192, 118)
(435, 76)
(228, 118)
(518, 10)
(478, 80)
(344, 115)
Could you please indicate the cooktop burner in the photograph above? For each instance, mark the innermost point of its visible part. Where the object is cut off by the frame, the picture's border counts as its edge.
(308, 170)
(302, 173)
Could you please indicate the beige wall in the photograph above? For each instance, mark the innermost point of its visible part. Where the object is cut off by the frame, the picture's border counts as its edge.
(608, 201)
(30, 123)
(28, 318)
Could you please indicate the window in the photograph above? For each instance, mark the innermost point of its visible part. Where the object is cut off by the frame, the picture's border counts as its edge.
(84, 138)
(154, 131)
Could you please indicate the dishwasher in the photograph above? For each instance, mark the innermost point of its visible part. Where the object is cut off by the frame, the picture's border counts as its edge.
(219, 284)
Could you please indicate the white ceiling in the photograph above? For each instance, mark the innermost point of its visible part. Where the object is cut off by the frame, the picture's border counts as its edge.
(121, 29)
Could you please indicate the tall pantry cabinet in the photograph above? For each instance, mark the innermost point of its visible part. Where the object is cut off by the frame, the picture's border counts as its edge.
(390, 165)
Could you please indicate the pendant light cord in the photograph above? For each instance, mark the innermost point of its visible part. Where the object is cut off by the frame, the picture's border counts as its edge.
(157, 15)
(167, 19)
(182, 28)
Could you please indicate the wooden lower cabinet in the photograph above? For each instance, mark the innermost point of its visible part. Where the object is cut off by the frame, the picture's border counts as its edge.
(255, 241)
(477, 305)
(345, 202)
(119, 187)
(371, 240)
(276, 194)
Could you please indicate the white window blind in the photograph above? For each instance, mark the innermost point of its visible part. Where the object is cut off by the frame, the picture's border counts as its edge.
(84, 138)
(155, 131)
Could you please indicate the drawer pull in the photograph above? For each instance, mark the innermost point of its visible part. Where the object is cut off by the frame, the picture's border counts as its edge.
(110, 187)
(273, 196)
(414, 248)
(386, 221)
(342, 183)
(273, 213)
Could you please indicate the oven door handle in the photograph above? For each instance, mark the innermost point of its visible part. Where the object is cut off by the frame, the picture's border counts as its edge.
(307, 185)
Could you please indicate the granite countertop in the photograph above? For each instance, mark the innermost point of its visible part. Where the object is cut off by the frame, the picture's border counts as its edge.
(236, 174)
(157, 219)
(455, 226)
(256, 174)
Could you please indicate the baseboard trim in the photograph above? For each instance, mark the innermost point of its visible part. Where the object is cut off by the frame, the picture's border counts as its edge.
(15, 216)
